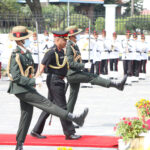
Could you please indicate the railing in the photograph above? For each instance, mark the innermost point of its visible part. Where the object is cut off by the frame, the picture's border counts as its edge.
(55, 21)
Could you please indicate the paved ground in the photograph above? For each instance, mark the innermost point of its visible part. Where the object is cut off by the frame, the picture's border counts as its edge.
(107, 106)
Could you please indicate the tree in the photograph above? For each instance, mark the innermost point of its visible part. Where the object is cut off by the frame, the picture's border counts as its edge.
(36, 9)
(138, 6)
(9, 7)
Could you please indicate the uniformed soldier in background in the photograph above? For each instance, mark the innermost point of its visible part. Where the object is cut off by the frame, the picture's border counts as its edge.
(56, 66)
(22, 85)
(136, 57)
(105, 55)
(127, 57)
(35, 51)
(114, 56)
(76, 75)
(144, 48)
(97, 52)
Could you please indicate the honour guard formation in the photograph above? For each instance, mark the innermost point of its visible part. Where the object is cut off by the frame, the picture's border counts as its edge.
(69, 59)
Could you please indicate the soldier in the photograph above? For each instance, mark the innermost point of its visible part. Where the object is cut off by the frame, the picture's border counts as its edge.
(127, 57)
(97, 52)
(35, 51)
(22, 85)
(136, 58)
(114, 56)
(105, 55)
(144, 48)
(76, 75)
(56, 68)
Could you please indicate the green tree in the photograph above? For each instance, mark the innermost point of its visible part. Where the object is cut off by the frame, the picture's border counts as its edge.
(9, 6)
(138, 6)
(99, 24)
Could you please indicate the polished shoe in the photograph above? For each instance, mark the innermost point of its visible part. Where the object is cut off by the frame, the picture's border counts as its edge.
(34, 134)
(79, 120)
(119, 85)
(73, 137)
(19, 146)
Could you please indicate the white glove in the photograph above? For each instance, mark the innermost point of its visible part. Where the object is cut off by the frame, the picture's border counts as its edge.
(87, 65)
(38, 80)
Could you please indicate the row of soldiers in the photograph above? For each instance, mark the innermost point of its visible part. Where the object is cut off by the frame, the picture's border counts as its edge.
(103, 53)
(133, 52)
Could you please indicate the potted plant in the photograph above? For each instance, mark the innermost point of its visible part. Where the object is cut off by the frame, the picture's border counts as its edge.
(129, 129)
(143, 108)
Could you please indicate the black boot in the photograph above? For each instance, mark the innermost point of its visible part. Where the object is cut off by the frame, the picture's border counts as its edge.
(119, 85)
(79, 120)
(19, 146)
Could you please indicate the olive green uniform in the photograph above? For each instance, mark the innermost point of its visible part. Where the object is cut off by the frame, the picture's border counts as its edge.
(22, 86)
(75, 75)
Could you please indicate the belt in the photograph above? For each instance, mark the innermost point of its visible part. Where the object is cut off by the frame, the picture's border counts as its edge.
(35, 53)
(57, 76)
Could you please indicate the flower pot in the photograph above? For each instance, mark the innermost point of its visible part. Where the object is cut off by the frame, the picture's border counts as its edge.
(132, 144)
(147, 141)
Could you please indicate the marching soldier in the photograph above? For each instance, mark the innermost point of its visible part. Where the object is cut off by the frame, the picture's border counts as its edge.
(144, 48)
(97, 52)
(114, 56)
(76, 75)
(105, 55)
(56, 68)
(22, 84)
(136, 57)
(127, 57)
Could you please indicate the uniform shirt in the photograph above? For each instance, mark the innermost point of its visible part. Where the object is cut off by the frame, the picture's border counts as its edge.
(98, 45)
(127, 51)
(50, 59)
(35, 52)
(115, 49)
(106, 47)
(83, 45)
(144, 48)
(20, 83)
(74, 66)
(136, 50)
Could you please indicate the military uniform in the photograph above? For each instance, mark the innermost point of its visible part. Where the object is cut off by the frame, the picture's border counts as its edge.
(56, 88)
(144, 48)
(75, 75)
(22, 85)
(114, 56)
(97, 54)
(105, 56)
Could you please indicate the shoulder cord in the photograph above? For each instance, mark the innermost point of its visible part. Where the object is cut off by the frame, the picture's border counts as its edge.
(26, 73)
(75, 55)
(58, 64)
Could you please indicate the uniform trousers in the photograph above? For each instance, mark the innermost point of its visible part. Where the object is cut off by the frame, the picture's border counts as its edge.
(143, 66)
(27, 101)
(56, 90)
(97, 66)
(104, 66)
(82, 77)
(128, 67)
(113, 64)
(136, 67)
